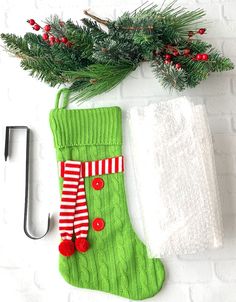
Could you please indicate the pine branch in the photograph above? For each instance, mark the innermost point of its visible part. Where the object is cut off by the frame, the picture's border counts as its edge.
(197, 46)
(15, 45)
(94, 29)
(169, 76)
(218, 63)
(97, 79)
(93, 60)
(39, 69)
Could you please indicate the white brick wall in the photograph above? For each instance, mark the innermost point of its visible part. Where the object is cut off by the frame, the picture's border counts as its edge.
(28, 269)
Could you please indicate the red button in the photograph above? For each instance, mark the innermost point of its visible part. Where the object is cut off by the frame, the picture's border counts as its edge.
(98, 224)
(98, 183)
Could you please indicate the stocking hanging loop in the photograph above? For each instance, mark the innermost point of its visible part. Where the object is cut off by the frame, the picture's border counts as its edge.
(65, 92)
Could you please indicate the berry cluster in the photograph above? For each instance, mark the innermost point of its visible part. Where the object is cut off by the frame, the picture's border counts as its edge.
(47, 35)
(201, 57)
(171, 52)
(168, 59)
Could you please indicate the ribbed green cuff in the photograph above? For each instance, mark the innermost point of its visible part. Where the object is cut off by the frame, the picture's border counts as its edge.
(99, 126)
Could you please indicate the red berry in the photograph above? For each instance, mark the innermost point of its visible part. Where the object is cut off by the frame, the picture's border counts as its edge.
(175, 53)
(57, 40)
(31, 21)
(52, 39)
(47, 27)
(201, 31)
(205, 57)
(168, 56)
(178, 66)
(199, 57)
(45, 36)
(36, 27)
(167, 62)
(186, 51)
(64, 40)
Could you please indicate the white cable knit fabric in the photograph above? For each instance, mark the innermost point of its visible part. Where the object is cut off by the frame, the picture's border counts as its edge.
(176, 179)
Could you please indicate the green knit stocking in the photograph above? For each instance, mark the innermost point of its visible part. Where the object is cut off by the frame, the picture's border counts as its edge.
(116, 261)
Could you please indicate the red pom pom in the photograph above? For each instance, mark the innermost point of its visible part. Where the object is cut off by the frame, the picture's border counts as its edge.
(64, 40)
(47, 27)
(205, 57)
(57, 40)
(199, 57)
(31, 21)
(201, 31)
(67, 248)
(167, 62)
(82, 245)
(45, 37)
(36, 27)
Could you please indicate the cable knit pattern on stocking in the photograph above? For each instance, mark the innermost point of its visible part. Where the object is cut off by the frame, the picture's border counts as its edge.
(117, 261)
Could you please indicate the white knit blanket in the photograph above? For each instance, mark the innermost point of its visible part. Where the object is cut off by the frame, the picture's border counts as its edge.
(176, 179)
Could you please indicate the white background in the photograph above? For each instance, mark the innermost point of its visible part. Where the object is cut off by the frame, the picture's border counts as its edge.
(28, 268)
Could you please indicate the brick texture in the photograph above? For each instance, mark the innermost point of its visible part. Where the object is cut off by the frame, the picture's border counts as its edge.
(28, 268)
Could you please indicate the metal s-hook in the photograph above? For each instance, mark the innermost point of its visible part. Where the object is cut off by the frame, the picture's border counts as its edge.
(6, 154)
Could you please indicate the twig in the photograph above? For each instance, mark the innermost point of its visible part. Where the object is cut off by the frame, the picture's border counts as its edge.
(99, 20)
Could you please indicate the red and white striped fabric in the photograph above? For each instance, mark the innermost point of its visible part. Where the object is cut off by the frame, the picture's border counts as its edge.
(74, 217)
